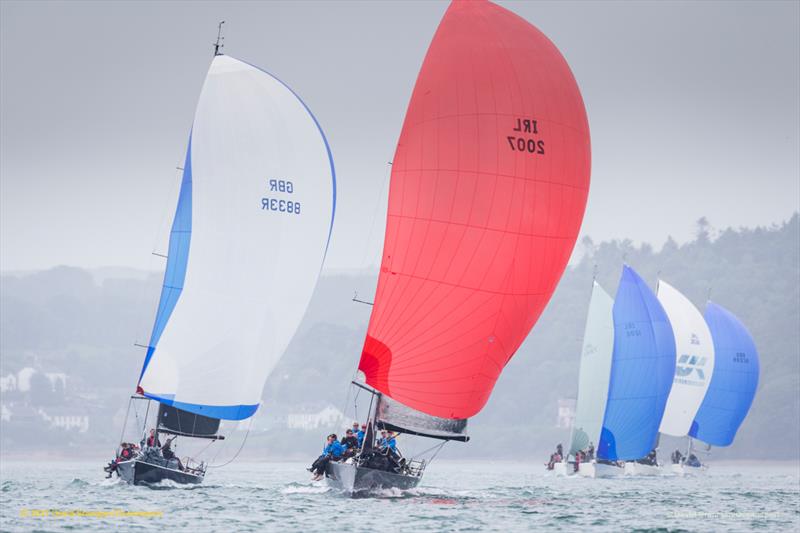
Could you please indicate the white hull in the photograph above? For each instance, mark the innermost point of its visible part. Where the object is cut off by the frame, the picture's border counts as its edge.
(604, 470)
(637, 469)
(683, 470)
(561, 469)
(587, 470)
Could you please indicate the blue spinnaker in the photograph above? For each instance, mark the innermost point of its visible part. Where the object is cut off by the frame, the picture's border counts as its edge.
(733, 383)
(642, 369)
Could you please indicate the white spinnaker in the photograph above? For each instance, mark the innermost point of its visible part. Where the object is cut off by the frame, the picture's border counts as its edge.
(595, 371)
(251, 270)
(694, 353)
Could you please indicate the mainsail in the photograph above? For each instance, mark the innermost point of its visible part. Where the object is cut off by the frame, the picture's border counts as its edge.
(733, 383)
(249, 236)
(694, 351)
(642, 369)
(488, 190)
(595, 371)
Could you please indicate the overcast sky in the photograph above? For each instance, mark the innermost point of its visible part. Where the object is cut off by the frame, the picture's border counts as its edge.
(693, 108)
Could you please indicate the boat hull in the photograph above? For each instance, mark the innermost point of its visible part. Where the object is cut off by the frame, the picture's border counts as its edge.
(587, 470)
(355, 480)
(561, 469)
(138, 472)
(604, 470)
(638, 469)
(684, 470)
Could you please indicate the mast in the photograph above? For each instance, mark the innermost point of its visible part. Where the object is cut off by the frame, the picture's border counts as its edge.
(218, 46)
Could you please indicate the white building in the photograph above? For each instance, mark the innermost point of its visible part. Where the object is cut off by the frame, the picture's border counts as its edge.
(329, 416)
(24, 379)
(566, 412)
(8, 383)
(66, 419)
(55, 378)
(69, 422)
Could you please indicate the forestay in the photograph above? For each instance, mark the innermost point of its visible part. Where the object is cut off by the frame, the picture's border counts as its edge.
(733, 383)
(248, 240)
(642, 369)
(694, 365)
(595, 371)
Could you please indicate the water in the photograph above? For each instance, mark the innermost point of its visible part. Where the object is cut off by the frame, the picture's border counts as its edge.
(454, 496)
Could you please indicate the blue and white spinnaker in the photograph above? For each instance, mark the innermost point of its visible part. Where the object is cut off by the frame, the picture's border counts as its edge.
(642, 369)
(248, 240)
(733, 383)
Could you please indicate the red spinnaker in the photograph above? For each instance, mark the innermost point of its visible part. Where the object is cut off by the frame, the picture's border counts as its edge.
(488, 190)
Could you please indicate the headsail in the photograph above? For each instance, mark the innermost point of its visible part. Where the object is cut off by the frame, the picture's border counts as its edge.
(488, 190)
(248, 240)
(694, 351)
(641, 371)
(733, 383)
(595, 371)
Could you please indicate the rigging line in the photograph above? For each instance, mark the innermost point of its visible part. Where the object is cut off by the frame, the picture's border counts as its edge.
(437, 451)
(423, 452)
(144, 310)
(198, 454)
(346, 402)
(355, 403)
(125, 422)
(244, 440)
(224, 445)
(136, 414)
(375, 214)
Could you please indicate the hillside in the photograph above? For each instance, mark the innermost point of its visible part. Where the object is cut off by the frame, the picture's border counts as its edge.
(83, 324)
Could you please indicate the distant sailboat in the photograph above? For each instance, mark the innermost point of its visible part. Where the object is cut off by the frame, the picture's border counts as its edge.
(693, 368)
(593, 380)
(733, 383)
(248, 240)
(642, 368)
(487, 193)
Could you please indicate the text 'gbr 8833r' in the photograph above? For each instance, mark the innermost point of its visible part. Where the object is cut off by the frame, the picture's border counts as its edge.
(281, 205)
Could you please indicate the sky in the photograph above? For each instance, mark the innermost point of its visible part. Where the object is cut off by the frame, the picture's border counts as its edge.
(694, 110)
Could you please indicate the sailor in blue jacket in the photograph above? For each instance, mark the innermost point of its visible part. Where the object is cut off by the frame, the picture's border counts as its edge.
(360, 434)
(332, 451)
(387, 442)
(333, 448)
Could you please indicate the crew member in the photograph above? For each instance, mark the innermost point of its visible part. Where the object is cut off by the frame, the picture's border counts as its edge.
(332, 451)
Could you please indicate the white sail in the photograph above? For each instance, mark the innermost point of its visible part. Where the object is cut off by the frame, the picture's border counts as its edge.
(694, 355)
(251, 231)
(595, 371)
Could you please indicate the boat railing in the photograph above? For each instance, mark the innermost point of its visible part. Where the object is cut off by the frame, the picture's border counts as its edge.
(416, 467)
(193, 466)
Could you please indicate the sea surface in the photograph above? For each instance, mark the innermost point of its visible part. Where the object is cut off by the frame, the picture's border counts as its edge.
(453, 496)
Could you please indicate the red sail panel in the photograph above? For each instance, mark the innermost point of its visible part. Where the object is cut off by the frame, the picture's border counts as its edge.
(488, 190)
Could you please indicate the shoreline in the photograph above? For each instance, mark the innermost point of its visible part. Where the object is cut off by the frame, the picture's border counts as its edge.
(63, 458)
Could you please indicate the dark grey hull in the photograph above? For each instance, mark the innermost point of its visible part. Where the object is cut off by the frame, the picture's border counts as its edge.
(356, 480)
(138, 472)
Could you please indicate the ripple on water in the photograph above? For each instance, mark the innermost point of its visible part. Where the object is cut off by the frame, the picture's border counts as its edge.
(453, 496)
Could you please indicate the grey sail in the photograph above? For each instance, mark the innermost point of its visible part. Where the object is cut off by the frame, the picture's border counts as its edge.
(394, 416)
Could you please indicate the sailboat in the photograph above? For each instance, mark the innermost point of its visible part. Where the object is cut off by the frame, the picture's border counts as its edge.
(694, 366)
(732, 387)
(248, 240)
(642, 367)
(593, 380)
(487, 193)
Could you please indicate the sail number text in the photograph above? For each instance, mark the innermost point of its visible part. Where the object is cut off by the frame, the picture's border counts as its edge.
(519, 143)
(279, 204)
